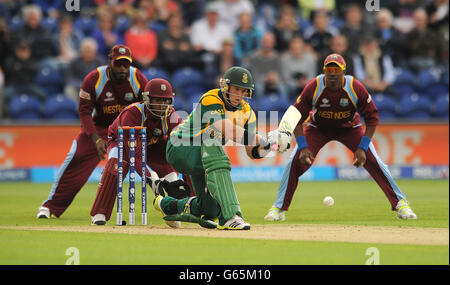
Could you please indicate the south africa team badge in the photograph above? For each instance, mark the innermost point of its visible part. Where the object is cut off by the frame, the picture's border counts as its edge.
(244, 78)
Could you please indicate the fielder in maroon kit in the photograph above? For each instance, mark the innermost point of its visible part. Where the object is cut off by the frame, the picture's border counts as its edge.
(329, 108)
(159, 117)
(104, 93)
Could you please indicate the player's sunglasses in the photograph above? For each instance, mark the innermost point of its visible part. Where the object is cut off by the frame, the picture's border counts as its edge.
(332, 69)
(119, 63)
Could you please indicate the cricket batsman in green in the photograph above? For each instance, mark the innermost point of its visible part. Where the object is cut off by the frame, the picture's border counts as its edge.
(195, 148)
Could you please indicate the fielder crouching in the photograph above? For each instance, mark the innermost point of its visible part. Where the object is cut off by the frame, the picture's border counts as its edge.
(156, 113)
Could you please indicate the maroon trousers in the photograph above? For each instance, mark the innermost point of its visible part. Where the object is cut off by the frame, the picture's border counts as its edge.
(350, 137)
(79, 164)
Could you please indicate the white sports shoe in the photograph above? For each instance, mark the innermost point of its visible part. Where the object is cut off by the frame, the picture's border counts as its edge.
(43, 213)
(157, 205)
(275, 214)
(99, 220)
(404, 211)
(235, 223)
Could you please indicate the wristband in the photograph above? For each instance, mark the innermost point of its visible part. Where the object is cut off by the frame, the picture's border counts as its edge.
(301, 142)
(255, 152)
(364, 144)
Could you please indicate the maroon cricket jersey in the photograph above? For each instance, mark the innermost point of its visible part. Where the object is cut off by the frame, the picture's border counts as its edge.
(102, 99)
(158, 129)
(325, 108)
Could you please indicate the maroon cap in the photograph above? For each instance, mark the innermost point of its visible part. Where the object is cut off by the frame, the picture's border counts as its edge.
(335, 58)
(119, 52)
(158, 87)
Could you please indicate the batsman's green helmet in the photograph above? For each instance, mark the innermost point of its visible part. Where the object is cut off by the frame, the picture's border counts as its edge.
(237, 76)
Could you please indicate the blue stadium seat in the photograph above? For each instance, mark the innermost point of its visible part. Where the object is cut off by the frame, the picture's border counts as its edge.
(415, 106)
(405, 76)
(192, 101)
(25, 107)
(157, 26)
(192, 90)
(153, 72)
(51, 24)
(271, 102)
(445, 78)
(50, 80)
(186, 76)
(15, 22)
(425, 79)
(436, 90)
(441, 107)
(404, 89)
(385, 103)
(122, 24)
(419, 116)
(303, 24)
(86, 25)
(61, 107)
(179, 104)
(387, 115)
(337, 22)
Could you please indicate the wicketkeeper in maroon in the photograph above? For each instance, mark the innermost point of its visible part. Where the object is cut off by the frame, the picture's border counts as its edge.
(159, 117)
(329, 108)
(104, 93)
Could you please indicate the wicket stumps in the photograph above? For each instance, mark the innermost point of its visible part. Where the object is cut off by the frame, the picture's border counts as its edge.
(120, 177)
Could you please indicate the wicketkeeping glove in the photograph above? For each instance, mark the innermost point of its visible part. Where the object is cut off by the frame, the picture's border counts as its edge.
(177, 189)
(157, 187)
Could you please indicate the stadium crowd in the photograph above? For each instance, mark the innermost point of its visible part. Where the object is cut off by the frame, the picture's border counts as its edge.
(400, 52)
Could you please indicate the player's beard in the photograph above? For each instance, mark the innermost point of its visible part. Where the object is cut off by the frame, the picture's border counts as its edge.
(334, 82)
(120, 76)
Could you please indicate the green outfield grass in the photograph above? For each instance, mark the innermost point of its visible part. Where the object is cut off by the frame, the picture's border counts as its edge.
(356, 203)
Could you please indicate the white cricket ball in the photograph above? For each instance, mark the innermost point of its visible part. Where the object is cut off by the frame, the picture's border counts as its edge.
(328, 201)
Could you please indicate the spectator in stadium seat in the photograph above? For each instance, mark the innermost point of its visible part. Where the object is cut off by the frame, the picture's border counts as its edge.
(192, 10)
(50, 7)
(339, 45)
(374, 68)
(117, 7)
(36, 35)
(423, 44)
(438, 11)
(309, 7)
(163, 10)
(298, 67)
(265, 65)
(403, 11)
(230, 10)
(221, 63)
(286, 28)
(247, 38)
(20, 70)
(68, 40)
(390, 39)
(208, 33)
(5, 48)
(87, 60)
(354, 28)
(320, 34)
(104, 33)
(175, 49)
(142, 41)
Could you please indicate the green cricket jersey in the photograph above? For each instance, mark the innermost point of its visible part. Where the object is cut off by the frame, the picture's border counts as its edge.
(210, 109)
